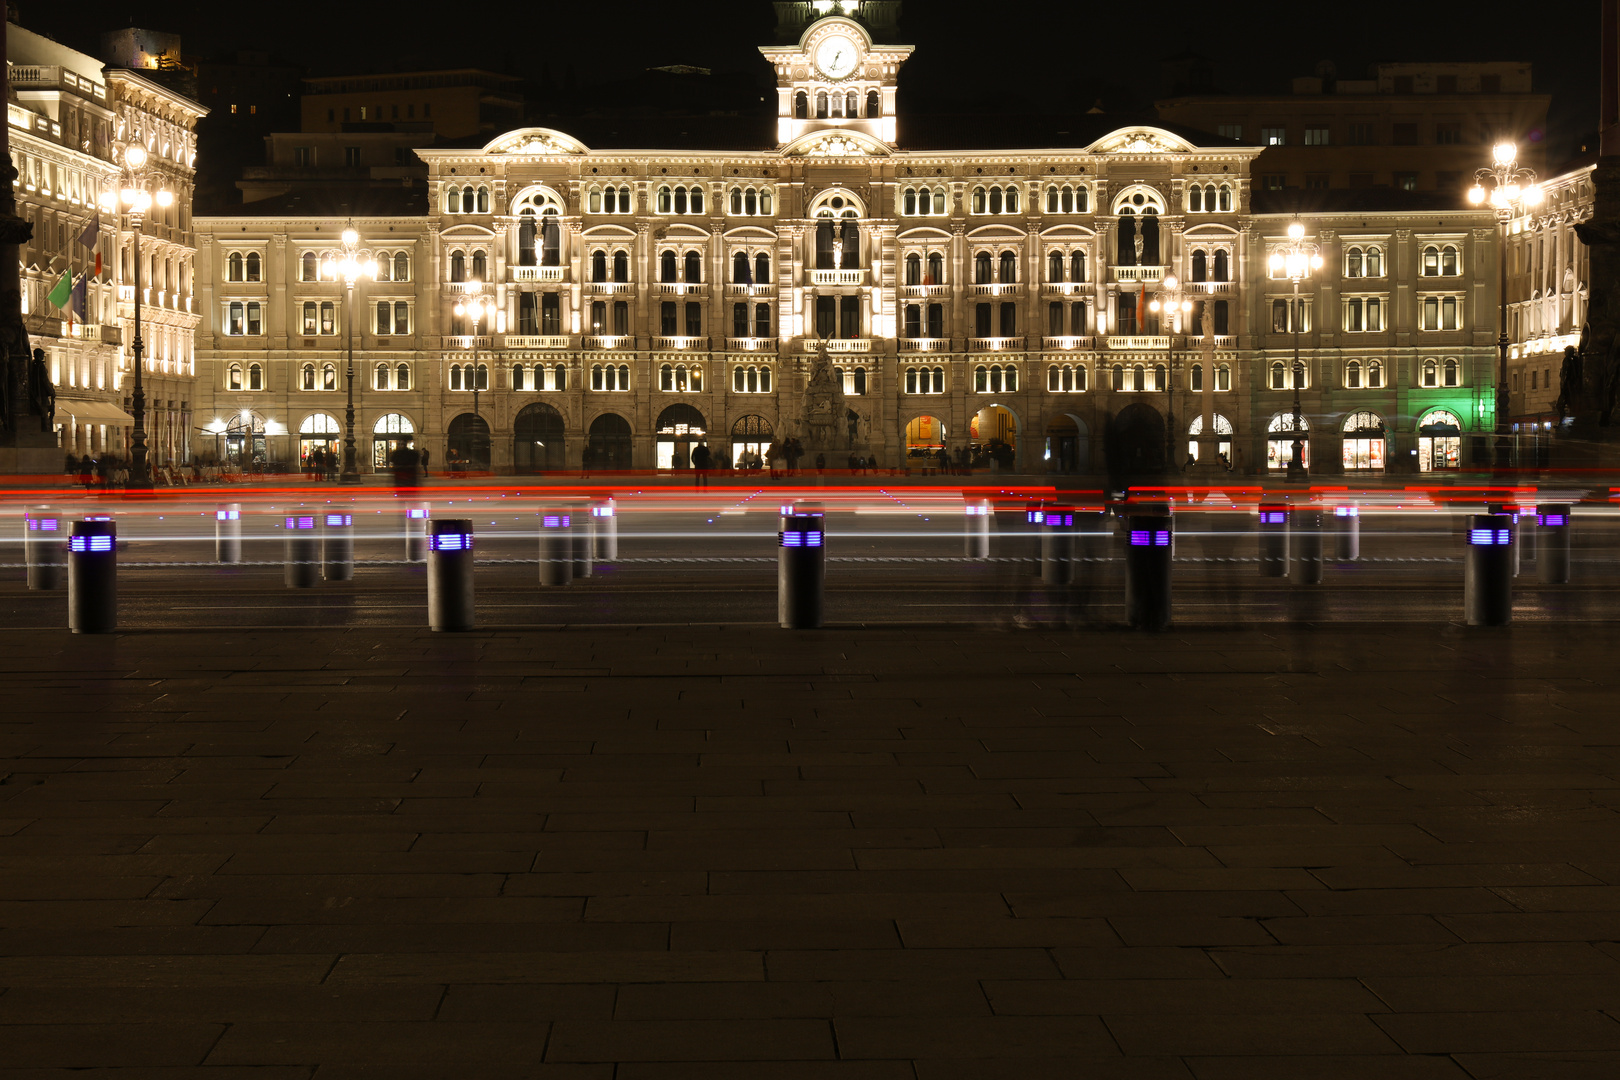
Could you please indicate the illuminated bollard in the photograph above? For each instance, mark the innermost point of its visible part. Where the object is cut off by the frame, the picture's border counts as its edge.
(303, 570)
(1147, 571)
(93, 577)
(1057, 545)
(1305, 543)
(1273, 540)
(1346, 533)
(337, 547)
(450, 573)
(42, 548)
(1552, 522)
(801, 571)
(556, 547)
(228, 533)
(1512, 512)
(976, 529)
(416, 519)
(583, 532)
(607, 529)
(1488, 570)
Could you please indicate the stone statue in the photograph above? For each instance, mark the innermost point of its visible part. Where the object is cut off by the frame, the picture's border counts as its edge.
(823, 404)
(854, 419)
(1600, 335)
(1570, 381)
(41, 394)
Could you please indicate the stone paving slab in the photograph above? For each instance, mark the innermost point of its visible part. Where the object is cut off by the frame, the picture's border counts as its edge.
(907, 854)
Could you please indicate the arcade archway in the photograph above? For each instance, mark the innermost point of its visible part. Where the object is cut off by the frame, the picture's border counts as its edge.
(537, 439)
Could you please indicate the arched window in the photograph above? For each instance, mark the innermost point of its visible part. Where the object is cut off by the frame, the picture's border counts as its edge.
(1451, 371)
(599, 265)
(936, 269)
(874, 103)
(739, 268)
(667, 266)
(559, 377)
(458, 266)
(329, 377)
(821, 104)
(1352, 375)
(1279, 375)
(1195, 199)
(851, 104)
(666, 377)
(1373, 262)
(1139, 377)
(981, 201)
(452, 200)
(762, 269)
(483, 200)
(309, 267)
(1448, 263)
(908, 202)
(1007, 271)
(479, 266)
(801, 106)
(1158, 376)
(402, 377)
(1375, 373)
(307, 377)
(517, 376)
(1200, 267)
(914, 271)
(693, 268)
(255, 377)
(455, 376)
(1077, 266)
(381, 377)
(983, 269)
(1352, 262)
(665, 200)
(1226, 199)
(621, 266)
(1054, 266)
(233, 377)
(233, 267)
(593, 201)
(1223, 266)
(1431, 373)
(1431, 261)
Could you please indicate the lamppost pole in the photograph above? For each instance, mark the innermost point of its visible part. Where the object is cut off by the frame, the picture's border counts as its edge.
(352, 268)
(138, 201)
(1172, 307)
(1511, 189)
(1296, 259)
(472, 304)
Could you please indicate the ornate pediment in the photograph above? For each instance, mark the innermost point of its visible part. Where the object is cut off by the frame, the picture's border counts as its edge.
(1142, 140)
(535, 141)
(836, 144)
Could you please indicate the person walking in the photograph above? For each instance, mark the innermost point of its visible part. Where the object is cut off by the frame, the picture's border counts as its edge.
(701, 459)
(426, 454)
(87, 472)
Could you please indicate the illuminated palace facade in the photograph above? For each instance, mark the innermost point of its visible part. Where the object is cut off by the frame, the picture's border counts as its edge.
(639, 301)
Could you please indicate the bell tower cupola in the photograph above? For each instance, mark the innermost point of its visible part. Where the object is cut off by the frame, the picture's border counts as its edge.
(836, 76)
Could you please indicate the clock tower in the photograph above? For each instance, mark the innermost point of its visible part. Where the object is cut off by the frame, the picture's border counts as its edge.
(835, 77)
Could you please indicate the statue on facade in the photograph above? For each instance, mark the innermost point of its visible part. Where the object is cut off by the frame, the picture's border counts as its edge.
(854, 421)
(1599, 355)
(823, 405)
(1570, 382)
(41, 394)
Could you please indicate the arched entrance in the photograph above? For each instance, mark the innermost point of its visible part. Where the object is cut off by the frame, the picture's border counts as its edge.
(244, 442)
(1280, 441)
(1068, 445)
(319, 431)
(391, 432)
(1136, 442)
(680, 429)
(1223, 430)
(608, 442)
(993, 433)
(537, 439)
(924, 435)
(1364, 442)
(467, 443)
(1439, 441)
(750, 435)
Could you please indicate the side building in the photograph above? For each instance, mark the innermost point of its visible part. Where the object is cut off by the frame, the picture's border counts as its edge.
(554, 303)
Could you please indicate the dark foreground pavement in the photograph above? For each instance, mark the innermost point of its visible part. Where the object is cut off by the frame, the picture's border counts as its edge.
(711, 853)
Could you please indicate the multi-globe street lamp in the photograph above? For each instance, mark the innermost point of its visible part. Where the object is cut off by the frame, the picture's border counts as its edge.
(1507, 189)
(1295, 259)
(352, 267)
(473, 305)
(136, 195)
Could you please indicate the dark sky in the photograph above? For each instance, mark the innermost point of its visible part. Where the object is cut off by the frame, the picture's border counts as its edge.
(1033, 56)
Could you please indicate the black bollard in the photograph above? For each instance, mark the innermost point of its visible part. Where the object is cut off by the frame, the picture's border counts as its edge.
(1553, 523)
(1147, 571)
(1347, 533)
(1488, 570)
(1273, 540)
(556, 547)
(801, 571)
(450, 574)
(1305, 547)
(1512, 513)
(1057, 545)
(228, 533)
(303, 569)
(607, 529)
(337, 548)
(416, 519)
(42, 548)
(93, 577)
(976, 528)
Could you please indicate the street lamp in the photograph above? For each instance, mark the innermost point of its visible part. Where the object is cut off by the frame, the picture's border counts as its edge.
(1295, 260)
(353, 268)
(1174, 306)
(473, 305)
(1511, 190)
(136, 198)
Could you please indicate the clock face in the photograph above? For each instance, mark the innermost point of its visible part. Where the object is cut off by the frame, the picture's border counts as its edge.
(835, 56)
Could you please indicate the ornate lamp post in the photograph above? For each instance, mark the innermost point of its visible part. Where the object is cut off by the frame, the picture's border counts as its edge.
(136, 199)
(1171, 306)
(1295, 260)
(473, 305)
(353, 268)
(1510, 190)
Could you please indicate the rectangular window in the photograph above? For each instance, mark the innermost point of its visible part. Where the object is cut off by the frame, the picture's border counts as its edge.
(385, 318)
(621, 317)
(762, 320)
(1406, 181)
(826, 316)
(550, 313)
(402, 317)
(849, 316)
(1274, 181)
(351, 157)
(936, 320)
(982, 320)
(1273, 136)
(1361, 133)
(1230, 131)
(1316, 136)
(309, 317)
(913, 320)
(739, 320)
(328, 317)
(694, 319)
(1448, 134)
(527, 320)
(1404, 135)
(1316, 181)
(304, 156)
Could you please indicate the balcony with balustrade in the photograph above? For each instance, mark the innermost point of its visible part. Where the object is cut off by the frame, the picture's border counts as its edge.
(842, 345)
(467, 341)
(536, 341)
(739, 289)
(1138, 342)
(999, 288)
(1148, 274)
(925, 292)
(680, 343)
(854, 276)
(1067, 288)
(1208, 288)
(606, 342)
(537, 273)
(751, 344)
(1068, 343)
(995, 344)
(683, 288)
(609, 288)
(925, 344)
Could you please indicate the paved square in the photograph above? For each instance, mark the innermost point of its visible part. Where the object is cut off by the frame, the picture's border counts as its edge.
(933, 854)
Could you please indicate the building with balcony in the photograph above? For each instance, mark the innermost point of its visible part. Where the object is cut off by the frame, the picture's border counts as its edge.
(969, 286)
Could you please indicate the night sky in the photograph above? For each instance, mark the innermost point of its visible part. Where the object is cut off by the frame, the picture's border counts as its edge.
(1029, 56)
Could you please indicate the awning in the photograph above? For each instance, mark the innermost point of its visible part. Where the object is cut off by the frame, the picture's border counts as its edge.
(93, 412)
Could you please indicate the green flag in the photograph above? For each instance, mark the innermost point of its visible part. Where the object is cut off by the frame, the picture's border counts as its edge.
(62, 290)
